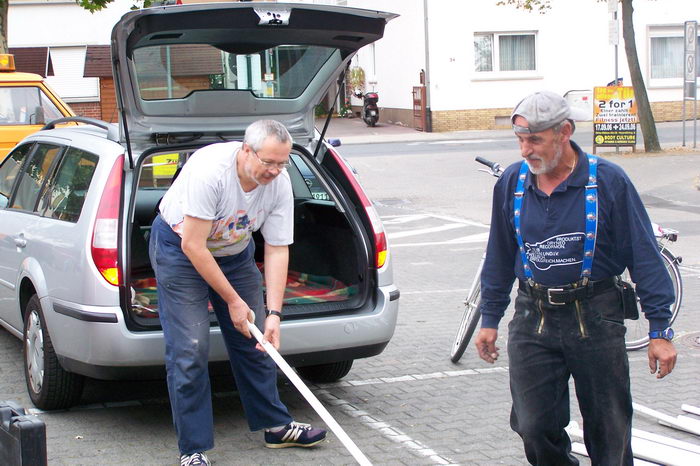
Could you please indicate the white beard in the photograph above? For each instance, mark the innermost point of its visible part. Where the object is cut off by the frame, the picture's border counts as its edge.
(546, 167)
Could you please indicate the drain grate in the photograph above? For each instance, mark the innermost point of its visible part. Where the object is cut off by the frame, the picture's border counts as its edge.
(691, 340)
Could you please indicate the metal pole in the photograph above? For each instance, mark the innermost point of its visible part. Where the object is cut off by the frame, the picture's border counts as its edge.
(683, 115)
(428, 112)
(695, 117)
(617, 39)
(616, 67)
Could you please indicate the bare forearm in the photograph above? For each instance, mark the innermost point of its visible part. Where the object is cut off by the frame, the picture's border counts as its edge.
(276, 263)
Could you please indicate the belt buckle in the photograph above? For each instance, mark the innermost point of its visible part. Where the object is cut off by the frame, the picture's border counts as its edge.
(549, 296)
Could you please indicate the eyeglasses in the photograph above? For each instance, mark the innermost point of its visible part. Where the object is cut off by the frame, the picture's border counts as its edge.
(268, 164)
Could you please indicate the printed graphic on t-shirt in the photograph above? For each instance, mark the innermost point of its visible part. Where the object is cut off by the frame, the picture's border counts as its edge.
(230, 230)
(566, 249)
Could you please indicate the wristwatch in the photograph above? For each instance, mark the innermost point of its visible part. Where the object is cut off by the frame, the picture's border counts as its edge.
(666, 334)
(270, 312)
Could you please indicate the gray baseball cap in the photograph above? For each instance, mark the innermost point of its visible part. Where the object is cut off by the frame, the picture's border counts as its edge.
(543, 110)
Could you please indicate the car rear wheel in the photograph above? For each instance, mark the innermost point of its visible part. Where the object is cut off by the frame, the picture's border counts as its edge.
(48, 384)
(326, 373)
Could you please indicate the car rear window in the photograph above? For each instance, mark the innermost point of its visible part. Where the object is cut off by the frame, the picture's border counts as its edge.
(166, 72)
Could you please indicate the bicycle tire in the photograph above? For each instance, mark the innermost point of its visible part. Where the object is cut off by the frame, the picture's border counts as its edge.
(470, 319)
(637, 335)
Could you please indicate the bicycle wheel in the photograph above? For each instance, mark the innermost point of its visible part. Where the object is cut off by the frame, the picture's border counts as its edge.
(637, 336)
(470, 319)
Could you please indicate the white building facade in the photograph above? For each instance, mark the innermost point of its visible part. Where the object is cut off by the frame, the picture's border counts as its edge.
(482, 58)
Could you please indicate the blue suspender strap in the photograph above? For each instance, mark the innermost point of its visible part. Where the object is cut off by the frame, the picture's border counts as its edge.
(591, 196)
(591, 218)
(517, 208)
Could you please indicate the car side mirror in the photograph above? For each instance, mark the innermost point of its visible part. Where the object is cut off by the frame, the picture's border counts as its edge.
(3, 201)
(37, 118)
(335, 142)
(39, 114)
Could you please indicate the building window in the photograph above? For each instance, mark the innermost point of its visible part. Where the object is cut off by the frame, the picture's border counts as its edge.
(69, 65)
(666, 55)
(504, 52)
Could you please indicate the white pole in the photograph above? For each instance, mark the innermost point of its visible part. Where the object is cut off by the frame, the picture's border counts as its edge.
(690, 409)
(310, 397)
(664, 419)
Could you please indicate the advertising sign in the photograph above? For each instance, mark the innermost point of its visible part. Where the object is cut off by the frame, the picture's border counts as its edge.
(614, 116)
(165, 166)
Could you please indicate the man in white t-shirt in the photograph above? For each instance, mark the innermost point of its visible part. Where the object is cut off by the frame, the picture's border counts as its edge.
(201, 251)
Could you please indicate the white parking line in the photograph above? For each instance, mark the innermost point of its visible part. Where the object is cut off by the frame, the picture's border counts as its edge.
(403, 218)
(424, 231)
(387, 431)
(456, 290)
(476, 238)
(397, 220)
(464, 141)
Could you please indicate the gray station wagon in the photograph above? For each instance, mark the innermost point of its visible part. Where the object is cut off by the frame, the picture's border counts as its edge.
(76, 203)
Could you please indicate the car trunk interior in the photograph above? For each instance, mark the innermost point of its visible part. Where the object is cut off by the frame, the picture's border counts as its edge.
(328, 267)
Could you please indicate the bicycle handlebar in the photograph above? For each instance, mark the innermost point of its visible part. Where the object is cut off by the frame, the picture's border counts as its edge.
(494, 167)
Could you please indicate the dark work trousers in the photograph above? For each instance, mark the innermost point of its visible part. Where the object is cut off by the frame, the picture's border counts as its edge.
(183, 297)
(546, 345)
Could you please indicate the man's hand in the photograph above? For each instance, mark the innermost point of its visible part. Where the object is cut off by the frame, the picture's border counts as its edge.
(241, 314)
(272, 332)
(662, 357)
(486, 344)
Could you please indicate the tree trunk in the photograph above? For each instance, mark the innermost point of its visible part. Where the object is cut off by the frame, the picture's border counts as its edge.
(3, 25)
(646, 117)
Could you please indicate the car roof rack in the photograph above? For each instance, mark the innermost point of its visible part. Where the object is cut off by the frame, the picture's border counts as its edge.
(112, 132)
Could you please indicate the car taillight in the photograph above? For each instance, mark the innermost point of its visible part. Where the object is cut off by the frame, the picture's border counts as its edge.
(380, 244)
(106, 229)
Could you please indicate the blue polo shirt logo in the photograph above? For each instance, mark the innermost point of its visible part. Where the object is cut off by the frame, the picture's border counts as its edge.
(556, 251)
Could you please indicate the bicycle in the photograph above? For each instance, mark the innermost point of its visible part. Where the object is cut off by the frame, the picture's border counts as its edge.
(636, 336)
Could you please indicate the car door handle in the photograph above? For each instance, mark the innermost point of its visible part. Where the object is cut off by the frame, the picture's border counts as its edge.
(20, 242)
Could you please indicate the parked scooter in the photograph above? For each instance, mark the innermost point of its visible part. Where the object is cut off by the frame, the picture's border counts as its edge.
(370, 111)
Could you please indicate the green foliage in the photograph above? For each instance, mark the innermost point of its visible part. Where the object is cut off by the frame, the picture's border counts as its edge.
(345, 109)
(96, 5)
(320, 110)
(530, 5)
(356, 78)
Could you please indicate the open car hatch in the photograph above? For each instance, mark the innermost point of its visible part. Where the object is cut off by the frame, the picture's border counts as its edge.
(206, 71)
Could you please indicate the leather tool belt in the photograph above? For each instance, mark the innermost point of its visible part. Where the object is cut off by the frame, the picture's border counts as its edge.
(561, 295)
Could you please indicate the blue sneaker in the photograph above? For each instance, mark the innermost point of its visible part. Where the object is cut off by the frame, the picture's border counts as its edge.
(195, 459)
(294, 434)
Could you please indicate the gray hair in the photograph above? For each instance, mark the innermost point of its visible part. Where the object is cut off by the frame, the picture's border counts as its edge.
(259, 131)
(558, 127)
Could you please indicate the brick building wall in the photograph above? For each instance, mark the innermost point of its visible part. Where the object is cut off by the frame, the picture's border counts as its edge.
(670, 111)
(486, 118)
(499, 118)
(87, 109)
(108, 100)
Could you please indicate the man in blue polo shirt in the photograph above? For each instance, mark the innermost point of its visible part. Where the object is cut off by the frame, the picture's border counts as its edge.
(566, 224)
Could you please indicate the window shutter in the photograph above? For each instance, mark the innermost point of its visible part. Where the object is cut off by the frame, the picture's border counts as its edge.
(68, 66)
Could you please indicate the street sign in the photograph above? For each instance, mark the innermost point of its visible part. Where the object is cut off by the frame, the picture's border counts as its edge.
(613, 32)
(614, 116)
(691, 34)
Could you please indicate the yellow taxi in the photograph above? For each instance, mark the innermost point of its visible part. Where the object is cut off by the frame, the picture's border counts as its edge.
(26, 104)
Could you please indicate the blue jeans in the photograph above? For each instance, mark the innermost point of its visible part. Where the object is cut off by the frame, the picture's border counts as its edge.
(183, 297)
(546, 345)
